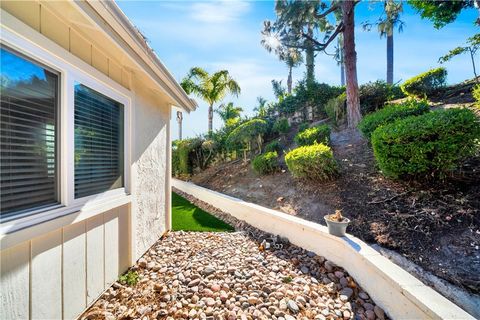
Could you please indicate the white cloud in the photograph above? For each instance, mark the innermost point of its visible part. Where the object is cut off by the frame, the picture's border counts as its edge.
(218, 11)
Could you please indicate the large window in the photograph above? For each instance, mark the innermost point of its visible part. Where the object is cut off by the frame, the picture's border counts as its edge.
(98, 142)
(28, 150)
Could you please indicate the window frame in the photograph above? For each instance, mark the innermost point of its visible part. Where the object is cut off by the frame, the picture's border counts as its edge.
(70, 70)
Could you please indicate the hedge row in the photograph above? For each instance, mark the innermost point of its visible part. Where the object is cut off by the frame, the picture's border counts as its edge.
(425, 83)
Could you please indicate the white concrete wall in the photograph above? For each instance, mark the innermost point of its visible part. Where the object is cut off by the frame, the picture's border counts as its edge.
(400, 294)
(57, 275)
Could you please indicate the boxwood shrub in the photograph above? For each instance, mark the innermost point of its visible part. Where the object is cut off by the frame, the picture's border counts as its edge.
(429, 144)
(425, 83)
(391, 113)
(273, 146)
(315, 162)
(318, 134)
(265, 163)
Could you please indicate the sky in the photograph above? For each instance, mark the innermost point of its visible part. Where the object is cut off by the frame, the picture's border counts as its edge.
(218, 35)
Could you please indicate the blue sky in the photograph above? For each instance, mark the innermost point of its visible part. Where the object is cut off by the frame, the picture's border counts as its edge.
(226, 35)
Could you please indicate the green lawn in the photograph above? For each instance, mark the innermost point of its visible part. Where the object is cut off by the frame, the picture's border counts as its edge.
(188, 217)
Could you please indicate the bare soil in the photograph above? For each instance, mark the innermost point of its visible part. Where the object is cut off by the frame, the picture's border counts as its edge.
(436, 224)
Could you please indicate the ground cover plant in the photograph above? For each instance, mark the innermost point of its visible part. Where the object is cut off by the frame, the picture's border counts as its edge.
(432, 144)
(188, 217)
(391, 113)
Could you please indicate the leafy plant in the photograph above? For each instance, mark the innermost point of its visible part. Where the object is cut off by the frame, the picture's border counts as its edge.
(391, 113)
(303, 126)
(374, 95)
(476, 95)
(318, 134)
(248, 133)
(315, 162)
(281, 126)
(336, 108)
(265, 163)
(130, 278)
(425, 83)
(273, 146)
(287, 279)
(473, 44)
(430, 144)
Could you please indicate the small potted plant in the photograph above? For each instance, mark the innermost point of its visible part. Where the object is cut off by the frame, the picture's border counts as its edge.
(337, 223)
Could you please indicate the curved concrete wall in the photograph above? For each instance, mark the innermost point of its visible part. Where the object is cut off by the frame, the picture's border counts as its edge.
(400, 294)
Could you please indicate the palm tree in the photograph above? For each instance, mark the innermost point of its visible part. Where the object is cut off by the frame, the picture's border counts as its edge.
(212, 88)
(293, 58)
(228, 111)
(261, 109)
(386, 27)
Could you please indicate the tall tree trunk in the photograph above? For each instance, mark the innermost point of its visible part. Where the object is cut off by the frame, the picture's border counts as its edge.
(210, 119)
(342, 62)
(390, 58)
(289, 80)
(473, 63)
(310, 57)
(350, 58)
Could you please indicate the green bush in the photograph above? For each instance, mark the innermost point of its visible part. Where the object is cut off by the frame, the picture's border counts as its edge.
(318, 134)
(430, 144)
(281, 126)
(314, 162)
(273, 146)
(476, 95)
(425, 83)
(391, 113)
(374, 95)
(303, 126)
(336, 109)
(129, 278)
(265, 163)
(248, 133)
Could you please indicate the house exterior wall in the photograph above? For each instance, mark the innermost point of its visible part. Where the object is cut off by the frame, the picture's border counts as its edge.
(56, 268)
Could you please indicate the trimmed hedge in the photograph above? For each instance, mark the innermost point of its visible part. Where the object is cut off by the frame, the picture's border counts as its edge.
(314, 162)
(273, 146)
(430, 144)
(318, 134)
(391, 113)
(476, 95)
(374, 95)
(281, 126)
(265, 163)
(425, 83)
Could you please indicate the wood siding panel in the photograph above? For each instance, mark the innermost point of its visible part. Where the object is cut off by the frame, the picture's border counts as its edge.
(80, 47)
(26, 11)
(111, 246)
(126, 78)
(74, 270)
(95, 258)
(125, 239)
(99, 61)
(115, 71)
(46, 276)
(14, 282)
(55, 29)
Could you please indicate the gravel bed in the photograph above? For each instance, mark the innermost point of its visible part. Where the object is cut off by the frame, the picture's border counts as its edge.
(245, 274)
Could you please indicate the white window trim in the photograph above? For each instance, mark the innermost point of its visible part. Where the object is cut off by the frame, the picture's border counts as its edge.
(71, 70)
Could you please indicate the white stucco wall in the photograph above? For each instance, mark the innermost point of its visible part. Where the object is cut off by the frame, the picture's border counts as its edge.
(149, 170)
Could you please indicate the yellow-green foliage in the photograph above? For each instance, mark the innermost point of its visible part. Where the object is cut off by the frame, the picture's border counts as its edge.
(265, 163)
(476, 95)
(130, 278)
(318, 134)
(336, 108)
(430, 144)
(425, 83)
(315, 162)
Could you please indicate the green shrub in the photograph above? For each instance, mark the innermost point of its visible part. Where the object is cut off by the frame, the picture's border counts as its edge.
(374, 95)
(265, 163)
(429, 144)
(130, 278)
(391, 113)
(248, 133)
(303, 126)
(281, 126)
(273, 146)
(476, 95)
(425, 83)
(336, 109)
(314, 162)
(318, 134)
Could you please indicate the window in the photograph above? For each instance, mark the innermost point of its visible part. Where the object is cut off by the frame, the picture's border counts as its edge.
(28, 149)
(98, 142)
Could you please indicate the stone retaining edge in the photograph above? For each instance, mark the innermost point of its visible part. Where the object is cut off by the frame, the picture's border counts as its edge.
(400, 294)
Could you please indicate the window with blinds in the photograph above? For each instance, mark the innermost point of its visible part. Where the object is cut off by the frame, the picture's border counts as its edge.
(98, 142)
(28, 119)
